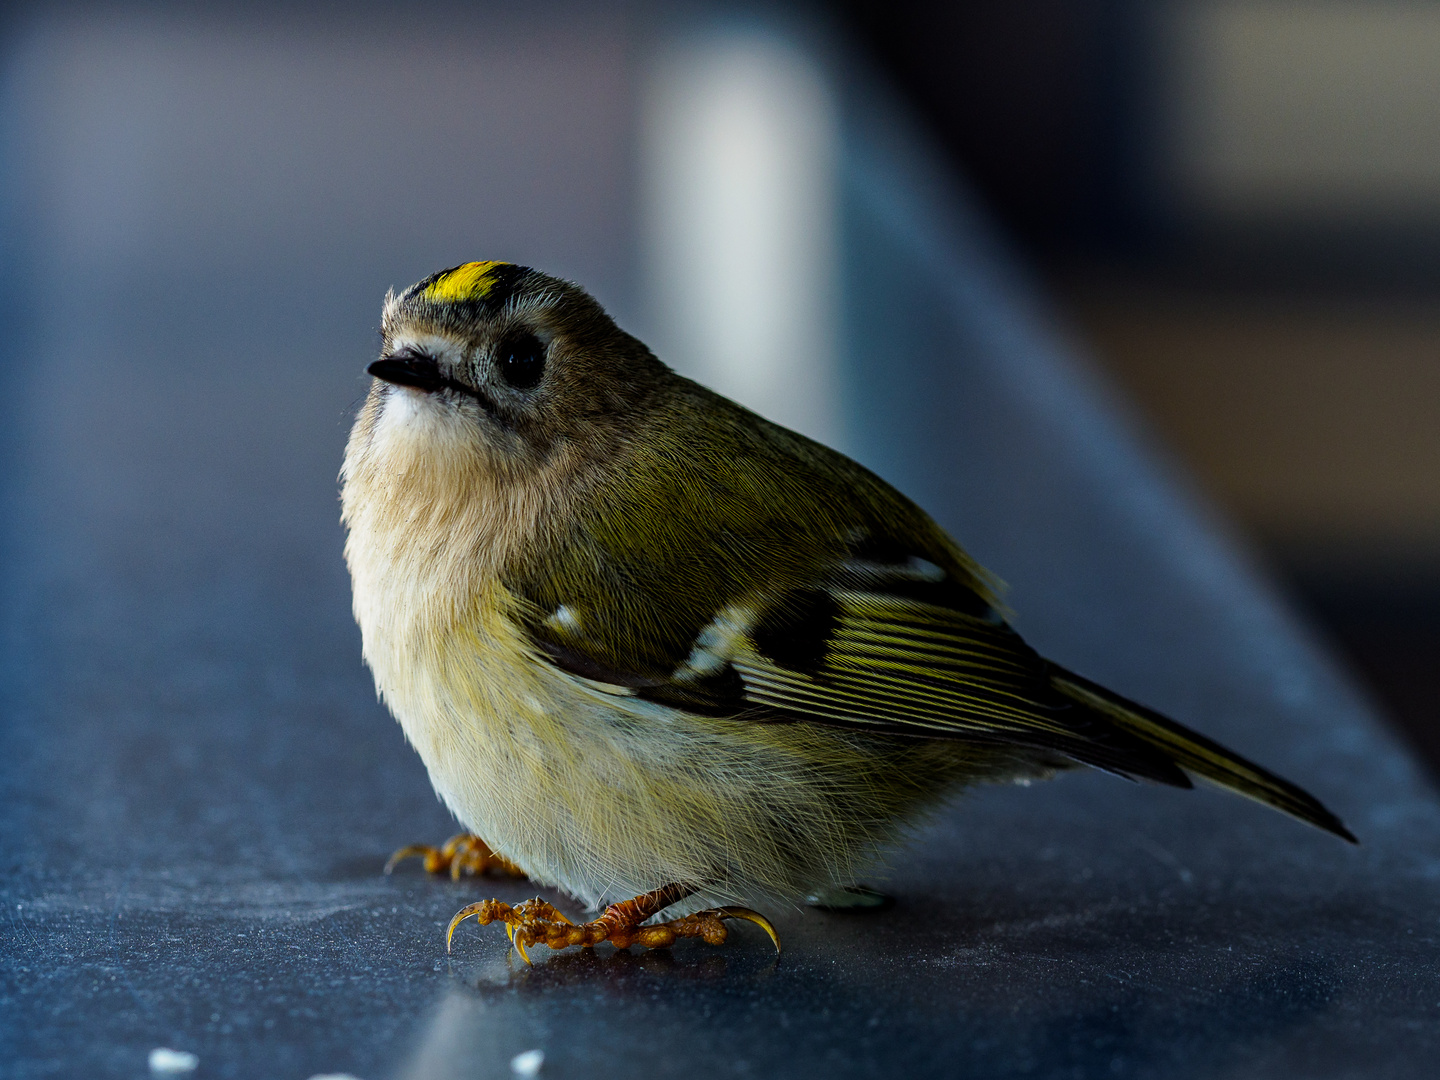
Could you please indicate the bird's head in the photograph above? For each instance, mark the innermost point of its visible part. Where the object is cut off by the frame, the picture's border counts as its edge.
(515, 363)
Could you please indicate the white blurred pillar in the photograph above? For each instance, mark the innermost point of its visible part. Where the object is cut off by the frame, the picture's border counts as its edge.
(740, 144)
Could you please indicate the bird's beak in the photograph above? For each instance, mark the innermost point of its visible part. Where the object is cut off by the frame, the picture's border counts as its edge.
(420, 372)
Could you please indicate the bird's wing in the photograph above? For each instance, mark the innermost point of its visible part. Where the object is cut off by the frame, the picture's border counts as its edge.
(733, 568)
(900, 648)
(900, 660)
(890, 650)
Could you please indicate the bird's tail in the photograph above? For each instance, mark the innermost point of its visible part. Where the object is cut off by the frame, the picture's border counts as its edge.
(1197, 754)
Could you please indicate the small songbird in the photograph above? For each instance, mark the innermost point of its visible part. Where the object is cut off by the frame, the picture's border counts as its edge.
(660, 653)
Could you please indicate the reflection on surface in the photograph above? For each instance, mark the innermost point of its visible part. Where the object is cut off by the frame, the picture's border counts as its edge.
(1092, 1004)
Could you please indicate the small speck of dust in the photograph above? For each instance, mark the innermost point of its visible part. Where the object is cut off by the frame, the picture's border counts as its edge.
(167, 1062)
(528, 1063)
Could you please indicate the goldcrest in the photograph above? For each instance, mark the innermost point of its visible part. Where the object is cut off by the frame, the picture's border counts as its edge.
(662, 654)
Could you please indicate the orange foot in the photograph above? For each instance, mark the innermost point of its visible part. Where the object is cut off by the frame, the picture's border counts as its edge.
(537, 923)
(462, 854)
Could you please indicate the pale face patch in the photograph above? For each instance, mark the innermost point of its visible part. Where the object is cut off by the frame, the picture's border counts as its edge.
(414, 425)
(413, 420)
(448, 353)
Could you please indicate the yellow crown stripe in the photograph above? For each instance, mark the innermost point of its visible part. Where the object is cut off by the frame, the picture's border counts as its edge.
(469, 282)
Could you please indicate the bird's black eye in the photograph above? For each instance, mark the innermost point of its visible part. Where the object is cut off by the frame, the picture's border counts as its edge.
(521, 360)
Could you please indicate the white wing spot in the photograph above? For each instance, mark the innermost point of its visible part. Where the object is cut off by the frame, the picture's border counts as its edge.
(564, 618)
(716, 645)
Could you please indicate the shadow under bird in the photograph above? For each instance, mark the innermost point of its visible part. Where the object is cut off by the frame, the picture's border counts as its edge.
(665, 655)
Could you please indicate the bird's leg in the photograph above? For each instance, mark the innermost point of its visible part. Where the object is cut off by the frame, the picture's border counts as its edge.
(461, 854)
(536, 922)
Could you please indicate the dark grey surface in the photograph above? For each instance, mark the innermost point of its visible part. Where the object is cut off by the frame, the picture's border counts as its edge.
(200, 789)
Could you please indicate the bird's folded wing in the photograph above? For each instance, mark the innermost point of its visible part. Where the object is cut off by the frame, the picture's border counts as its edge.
(909, 667)
(881, 655)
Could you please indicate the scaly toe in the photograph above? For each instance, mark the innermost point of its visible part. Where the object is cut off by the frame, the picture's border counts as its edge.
(485, 912)
(537, 922)
(463, 854)
(423, 850)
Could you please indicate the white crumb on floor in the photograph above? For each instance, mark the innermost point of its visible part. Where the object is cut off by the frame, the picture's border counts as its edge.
(167, 1062)
(528, 1063)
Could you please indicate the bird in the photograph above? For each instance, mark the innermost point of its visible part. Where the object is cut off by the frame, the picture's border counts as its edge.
(670, 658)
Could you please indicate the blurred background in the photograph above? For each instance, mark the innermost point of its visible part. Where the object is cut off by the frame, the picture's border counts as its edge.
(1236, 206)
(1233, 205)
(981, 246)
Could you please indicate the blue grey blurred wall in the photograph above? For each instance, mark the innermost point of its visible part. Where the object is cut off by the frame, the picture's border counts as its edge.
(208, 209)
